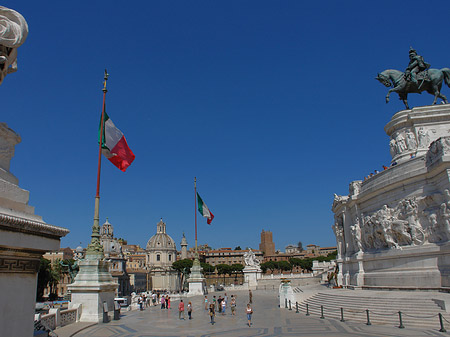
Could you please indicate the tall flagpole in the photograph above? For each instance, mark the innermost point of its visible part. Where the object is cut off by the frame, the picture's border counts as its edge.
(195, 190)
(95, 248)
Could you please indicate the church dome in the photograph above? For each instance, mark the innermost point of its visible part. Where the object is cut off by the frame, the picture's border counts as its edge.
(161, 240)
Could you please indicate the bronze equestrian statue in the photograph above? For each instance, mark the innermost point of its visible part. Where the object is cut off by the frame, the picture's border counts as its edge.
(417, 78)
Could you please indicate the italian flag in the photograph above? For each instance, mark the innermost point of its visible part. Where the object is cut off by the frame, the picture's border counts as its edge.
(114, 145)
(204, 210)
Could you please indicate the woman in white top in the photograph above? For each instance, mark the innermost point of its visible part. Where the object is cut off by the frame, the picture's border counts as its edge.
(249, 312)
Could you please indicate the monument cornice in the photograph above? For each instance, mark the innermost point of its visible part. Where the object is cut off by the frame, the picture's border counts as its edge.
(23, 225)
(417, 116)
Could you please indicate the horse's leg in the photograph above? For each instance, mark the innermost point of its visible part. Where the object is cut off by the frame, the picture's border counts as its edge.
(388, 94)
(404, 98)
(405, 101)
(436, 92)
(441, 96)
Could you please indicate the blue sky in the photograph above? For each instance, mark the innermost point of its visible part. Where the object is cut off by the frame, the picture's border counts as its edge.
(272, 105)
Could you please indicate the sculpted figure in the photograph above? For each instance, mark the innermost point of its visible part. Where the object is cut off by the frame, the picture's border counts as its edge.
(354, 188)
(393, 147)
(401, 144)
(445, 218)
(434, 231)
(71, 268)
(339, 233)
(447, 197)
(424, 138)
(416, 79)
(13, 33)
(356, 235)
(250, 259)
(416, 64)
(411, 140)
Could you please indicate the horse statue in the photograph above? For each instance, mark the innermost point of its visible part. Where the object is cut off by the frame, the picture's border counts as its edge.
(431, 83)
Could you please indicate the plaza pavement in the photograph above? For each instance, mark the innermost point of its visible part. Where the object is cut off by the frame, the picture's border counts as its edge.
(268, 320)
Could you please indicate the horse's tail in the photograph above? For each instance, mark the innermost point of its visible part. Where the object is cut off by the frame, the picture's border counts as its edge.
(446, 72)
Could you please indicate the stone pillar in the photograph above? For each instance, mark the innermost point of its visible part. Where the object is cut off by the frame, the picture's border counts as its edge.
(24, 238)
(93, 286)
(196, 280)
(251, 276)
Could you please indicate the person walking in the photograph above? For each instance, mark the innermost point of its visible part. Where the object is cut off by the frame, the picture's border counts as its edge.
(249, 312)
(167, 302)
(233, 305)
(224, 306)
(219, 304)
(189, 309)
(206, 302)
(181, 309)
(140, 299)
(163, 302)
(212, 312)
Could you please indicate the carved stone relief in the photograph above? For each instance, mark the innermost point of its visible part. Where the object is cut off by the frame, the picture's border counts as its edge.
(424, 138)
(354, 188)
(413, 221)
(411, 142)
(338, 229)
(438, 148)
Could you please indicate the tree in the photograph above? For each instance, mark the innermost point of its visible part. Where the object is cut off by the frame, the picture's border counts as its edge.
(271, 265)
(207, 268)
(305, 264)
(332, 255)
(44, 277)
(184, 268)
(223, 269)
(236, 268)
(284, 265)
(238, 248)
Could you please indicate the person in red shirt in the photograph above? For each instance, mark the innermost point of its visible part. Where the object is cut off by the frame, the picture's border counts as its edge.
(181, 309)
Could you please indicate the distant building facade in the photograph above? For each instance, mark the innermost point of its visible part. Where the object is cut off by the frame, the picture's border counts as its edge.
(267, 246)
(117, 262)
(161, 252)
(229, 256)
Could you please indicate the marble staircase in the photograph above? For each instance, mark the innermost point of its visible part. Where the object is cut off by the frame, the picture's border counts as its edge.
(417, 311)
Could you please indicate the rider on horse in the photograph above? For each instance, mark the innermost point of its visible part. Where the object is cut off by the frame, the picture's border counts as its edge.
(416, 65)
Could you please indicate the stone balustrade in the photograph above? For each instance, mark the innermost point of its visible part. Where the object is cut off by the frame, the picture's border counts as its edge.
(58, 318)
(282, 276)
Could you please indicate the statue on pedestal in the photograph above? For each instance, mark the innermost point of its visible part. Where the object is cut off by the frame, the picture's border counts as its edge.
(13, 33)
(417, 78)
(251, 260)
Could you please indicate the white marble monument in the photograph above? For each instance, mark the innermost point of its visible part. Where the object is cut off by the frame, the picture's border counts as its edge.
(196, 280)
(393, 229)
(24, 236)
(252, 270)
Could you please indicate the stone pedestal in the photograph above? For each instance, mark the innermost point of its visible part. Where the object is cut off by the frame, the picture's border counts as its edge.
(286, 294)
(24, 238)
(251, 276)
(196, 280)
(393, 229)
(93, 286)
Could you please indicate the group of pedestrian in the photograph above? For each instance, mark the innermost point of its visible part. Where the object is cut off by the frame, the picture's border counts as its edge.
(222, 303)
(165, 302)
(215, 305)
(181, 309)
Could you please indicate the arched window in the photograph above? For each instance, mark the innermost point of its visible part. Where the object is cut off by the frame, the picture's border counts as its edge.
(170, 257)
(158, 257)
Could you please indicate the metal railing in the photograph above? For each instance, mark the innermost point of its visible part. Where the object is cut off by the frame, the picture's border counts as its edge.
(368, 314)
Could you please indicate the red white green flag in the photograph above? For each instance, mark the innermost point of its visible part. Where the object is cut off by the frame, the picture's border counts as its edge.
(114, 145)
(204, 210)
